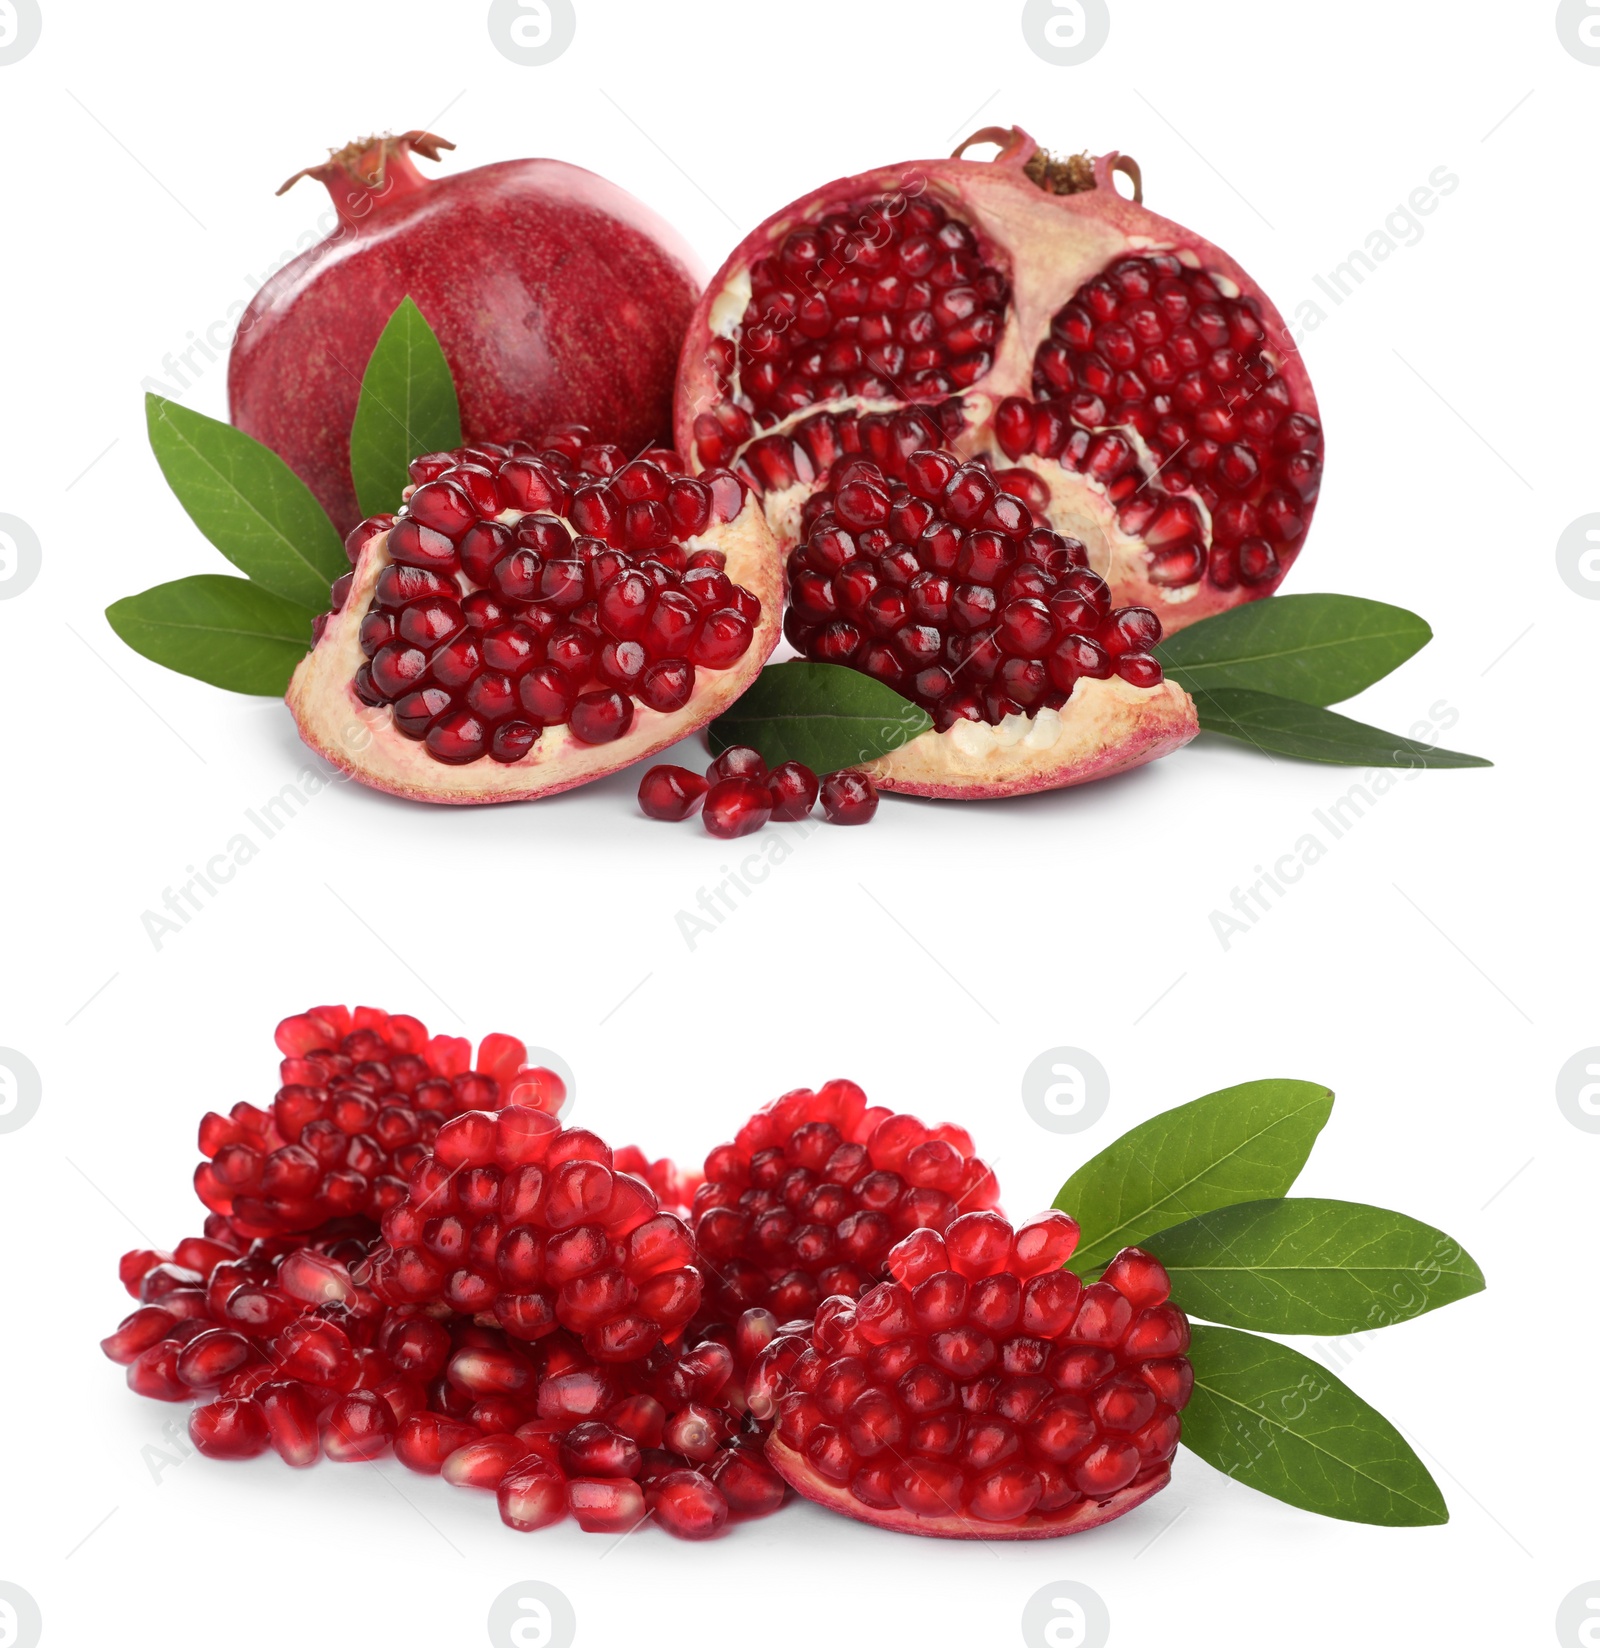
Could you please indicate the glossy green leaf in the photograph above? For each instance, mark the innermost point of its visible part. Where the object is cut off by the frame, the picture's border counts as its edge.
(1236, 1145)
(248, 502)
(1280, 726)
(407, 407)
(1316, 649)
(225, 631)
(1282, 1424)
(822, 714)
(1305, 1265)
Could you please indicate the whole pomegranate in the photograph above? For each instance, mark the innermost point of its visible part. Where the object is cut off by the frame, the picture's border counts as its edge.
(556, 296)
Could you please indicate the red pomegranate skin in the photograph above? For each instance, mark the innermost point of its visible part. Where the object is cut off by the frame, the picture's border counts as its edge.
(556, 296)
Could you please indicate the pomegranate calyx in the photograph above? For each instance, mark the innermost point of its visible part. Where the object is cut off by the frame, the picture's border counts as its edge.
(375, 166)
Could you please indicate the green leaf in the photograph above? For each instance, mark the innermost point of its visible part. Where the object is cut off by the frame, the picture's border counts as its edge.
(1280, 726)
(226, 631)
(1280, 1423)
(1237, 1145)
(1304, 1265)
(825, 715)
(248, 502)
(1316, 649)
(407, 407)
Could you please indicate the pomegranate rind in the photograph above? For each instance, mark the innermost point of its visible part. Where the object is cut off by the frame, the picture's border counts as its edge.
(1105, 727)
(1074, 1519)
(365, 743)
(1049, 246)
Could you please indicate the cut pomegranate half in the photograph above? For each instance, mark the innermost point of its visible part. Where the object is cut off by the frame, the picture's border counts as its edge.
(1143, 388)
(538, 615)
(985, 1392)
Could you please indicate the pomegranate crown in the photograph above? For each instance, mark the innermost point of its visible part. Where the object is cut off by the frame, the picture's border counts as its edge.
(1055, 174)
(366, 162)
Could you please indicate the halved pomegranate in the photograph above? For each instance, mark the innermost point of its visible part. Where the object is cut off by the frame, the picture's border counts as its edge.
(1144, 387)
(539, 614)
(984, 1392)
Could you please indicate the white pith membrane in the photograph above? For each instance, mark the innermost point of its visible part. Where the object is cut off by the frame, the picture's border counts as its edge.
(1048, 245)
(364, 742)
(791, 1465)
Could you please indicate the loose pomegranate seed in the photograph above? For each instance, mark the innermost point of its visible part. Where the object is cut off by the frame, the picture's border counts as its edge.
(605, 1506)
(671, 793)
(229, 1429)
(689, 1505)
(738, 761)
(357, 1427)
(532, 1496)
(291, 1418)
(849, 798)
(735, 807)
(748, 1483)
(491, 630)
(794, 791)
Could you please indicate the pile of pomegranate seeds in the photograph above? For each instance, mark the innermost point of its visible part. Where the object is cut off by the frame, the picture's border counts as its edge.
(738, 794)
(503, 1349)
(936, 580)
(529, 1314)
(1161, 348)
(542, 587)
(817, 1187)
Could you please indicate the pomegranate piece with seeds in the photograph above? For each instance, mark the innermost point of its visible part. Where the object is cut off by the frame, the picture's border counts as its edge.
(555, 295)
(925, 573)
(1121, 375)
(814, 1191)
(984, 1392)
(539, 614)
(363, 1095)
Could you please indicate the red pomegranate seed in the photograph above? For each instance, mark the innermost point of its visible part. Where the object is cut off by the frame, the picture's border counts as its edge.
(137, 1332)
(670, 793)
(688, 1505)
(849, 797)
(229, 1429)
(736, 807)
(748, 1483)
(606, 1506)
(484, 1463)
(291, 1419)
(794, 791)
(357, 1427)
(601, 717)
(594, 1449)
(737, 761)
(532, 1496)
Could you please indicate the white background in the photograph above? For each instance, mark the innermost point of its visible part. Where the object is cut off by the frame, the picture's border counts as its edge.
(1434, 967)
